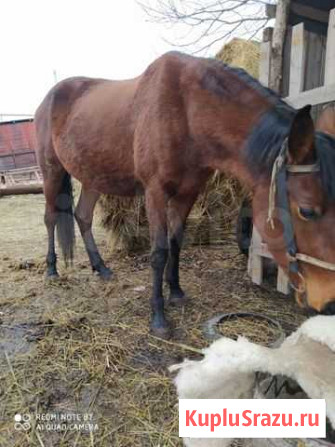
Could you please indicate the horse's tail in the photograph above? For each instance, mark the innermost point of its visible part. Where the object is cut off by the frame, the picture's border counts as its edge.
(65, 219)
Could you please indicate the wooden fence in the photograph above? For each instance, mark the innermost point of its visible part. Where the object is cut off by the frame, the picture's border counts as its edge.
(21, 181)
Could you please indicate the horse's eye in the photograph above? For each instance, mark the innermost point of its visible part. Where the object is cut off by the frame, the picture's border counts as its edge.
(308, 213)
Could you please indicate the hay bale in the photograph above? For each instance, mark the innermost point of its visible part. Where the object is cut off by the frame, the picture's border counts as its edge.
(214, 213)
(125, 220)
(209, 222)
(243, 54)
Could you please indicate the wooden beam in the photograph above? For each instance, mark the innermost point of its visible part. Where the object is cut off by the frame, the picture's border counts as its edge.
(279, 33)
(330, 50)
(265, 63)
(320, 95)
(298, 56)
(34, 188)
(309, 12)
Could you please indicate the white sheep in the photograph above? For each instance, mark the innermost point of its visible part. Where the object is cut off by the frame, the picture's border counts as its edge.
(228, 370)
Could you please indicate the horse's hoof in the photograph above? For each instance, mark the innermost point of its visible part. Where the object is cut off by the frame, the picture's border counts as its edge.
(159, 327)
(52, 277)
(178, 299)
(105, 274)
(163, 332)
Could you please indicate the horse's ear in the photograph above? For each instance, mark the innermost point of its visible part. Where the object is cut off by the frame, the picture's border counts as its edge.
(301, 137)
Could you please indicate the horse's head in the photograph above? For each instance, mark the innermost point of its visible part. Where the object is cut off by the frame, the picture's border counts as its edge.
(294, 210)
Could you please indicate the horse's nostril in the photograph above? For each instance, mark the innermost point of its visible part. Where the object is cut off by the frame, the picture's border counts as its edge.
(329, 309)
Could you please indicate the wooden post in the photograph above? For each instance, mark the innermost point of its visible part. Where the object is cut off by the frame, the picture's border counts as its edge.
(283, 284)
(298, 55)
(265, 63)
(330, 51)
(279, 33)
(257, 252)
(255, 266)
(265, 57)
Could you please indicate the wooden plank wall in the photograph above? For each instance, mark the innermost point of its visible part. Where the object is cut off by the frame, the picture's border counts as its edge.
(315, 60)
(315, 56)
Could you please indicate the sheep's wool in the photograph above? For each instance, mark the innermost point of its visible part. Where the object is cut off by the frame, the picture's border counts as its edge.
(228, 370)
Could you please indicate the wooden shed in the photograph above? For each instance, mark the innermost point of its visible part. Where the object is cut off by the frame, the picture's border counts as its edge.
(298, 54)
(17, 144)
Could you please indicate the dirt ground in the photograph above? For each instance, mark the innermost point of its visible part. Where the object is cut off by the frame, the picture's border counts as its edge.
(81, 346)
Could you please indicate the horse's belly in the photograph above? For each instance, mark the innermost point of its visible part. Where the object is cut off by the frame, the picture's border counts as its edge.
(119, 185)
(102, 172)
(102, 163)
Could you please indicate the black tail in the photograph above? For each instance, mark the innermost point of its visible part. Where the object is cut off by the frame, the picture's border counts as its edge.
(65, 219)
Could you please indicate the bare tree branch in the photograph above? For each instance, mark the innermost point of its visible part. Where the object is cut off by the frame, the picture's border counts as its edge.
(208, 21)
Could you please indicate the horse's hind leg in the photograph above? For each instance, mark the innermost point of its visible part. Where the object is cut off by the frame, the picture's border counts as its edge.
(50, 218)
(84, 216)
(52, 185)
(179, 208)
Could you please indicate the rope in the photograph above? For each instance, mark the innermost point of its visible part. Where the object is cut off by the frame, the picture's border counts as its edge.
(280, 160)
(314, 261)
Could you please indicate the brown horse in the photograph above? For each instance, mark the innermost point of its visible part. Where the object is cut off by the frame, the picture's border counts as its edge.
(163, 134)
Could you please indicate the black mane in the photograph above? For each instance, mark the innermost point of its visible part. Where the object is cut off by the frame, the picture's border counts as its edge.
(246, 78)
(266, 140)
(325, 148)
(267, 136)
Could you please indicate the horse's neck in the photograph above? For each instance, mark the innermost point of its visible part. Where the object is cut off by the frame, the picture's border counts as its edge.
(222, 140)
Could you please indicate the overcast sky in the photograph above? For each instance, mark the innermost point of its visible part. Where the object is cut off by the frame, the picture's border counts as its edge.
(98, 38)
(103, 38)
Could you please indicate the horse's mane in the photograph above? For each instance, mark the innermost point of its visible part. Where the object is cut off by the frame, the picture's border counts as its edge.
(246, 78)
(266, 139)
(265, 142)
(267, 136)
(325, 148)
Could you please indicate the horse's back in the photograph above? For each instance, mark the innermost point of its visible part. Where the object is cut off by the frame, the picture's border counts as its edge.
(113, 135)
(51, 115)
(60, 97)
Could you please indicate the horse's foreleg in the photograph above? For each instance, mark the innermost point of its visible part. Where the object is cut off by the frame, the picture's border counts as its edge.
(179, 208)
(156, 212)
(84, 216)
